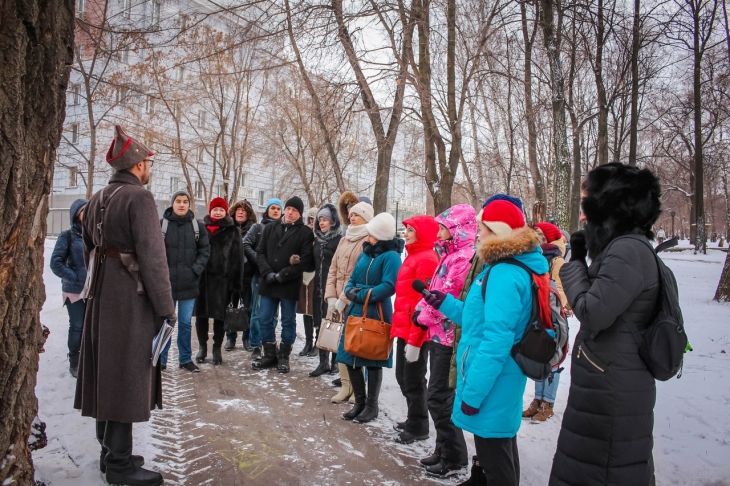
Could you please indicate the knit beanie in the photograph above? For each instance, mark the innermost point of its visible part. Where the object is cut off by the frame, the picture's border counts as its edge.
(218, 202)
(296, 203)
(311, 213)
(550, 231)
(381, 227)
(502, 216)
(125, 152)
(179, 193)
(365, 210)
(326, 213)
(365, 199)
(504, 197)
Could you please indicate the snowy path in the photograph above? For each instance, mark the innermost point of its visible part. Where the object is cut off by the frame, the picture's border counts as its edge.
(230, 425)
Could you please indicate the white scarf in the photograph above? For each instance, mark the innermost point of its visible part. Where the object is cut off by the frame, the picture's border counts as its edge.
(355, 233)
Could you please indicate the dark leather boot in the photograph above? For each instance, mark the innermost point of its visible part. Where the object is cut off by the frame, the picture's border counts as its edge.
(247, 345)
(324, 365)
(375, 379)
(217, 356)
(477, 477)
(230, 342)
(202, 353)
(308, 335)
(333, 365)
(282, 357)
(268, 360)
(357, 379)
(120, 468)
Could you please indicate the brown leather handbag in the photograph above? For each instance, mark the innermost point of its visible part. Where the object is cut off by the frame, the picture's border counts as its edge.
(368, 338)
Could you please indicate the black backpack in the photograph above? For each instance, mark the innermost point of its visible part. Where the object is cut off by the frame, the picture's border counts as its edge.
(663, 344)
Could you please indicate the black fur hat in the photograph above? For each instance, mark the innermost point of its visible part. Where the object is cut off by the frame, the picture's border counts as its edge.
(620, 200)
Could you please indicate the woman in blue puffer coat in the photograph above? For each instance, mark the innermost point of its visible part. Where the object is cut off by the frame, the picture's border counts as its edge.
(376, 269)
(489, 384)
(67, 262)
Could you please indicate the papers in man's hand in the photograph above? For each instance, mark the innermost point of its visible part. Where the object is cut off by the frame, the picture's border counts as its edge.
(160, 341)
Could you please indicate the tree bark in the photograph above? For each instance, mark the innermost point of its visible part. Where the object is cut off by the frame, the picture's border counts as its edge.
(36, 39)
(602, 136)
(722, 294)
(634, 128)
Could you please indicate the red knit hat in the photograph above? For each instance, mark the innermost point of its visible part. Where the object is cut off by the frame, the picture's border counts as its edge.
(218, 202)
(551, 232)
(502, 217)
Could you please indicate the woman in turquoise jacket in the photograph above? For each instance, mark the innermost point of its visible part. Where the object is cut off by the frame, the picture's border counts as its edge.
(377, 269)
(489, 384)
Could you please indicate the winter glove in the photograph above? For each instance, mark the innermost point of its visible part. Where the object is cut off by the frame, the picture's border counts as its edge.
(331, 303)
(294, 259)
(435, 299)
(271, 278)
(171, 319)
(414, 319)
(340, 306)
(468, 410)
(279, 277)
(412, 353)
(352, 294)
(578, 251)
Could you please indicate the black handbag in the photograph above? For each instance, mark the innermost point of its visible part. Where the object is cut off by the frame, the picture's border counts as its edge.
(237, 319)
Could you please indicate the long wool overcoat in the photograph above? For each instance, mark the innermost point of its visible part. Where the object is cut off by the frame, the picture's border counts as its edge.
(116, 379)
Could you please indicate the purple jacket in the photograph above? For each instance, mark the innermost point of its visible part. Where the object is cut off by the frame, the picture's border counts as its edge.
(456, 255)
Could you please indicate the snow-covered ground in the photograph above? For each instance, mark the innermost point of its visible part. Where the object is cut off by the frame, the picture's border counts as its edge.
(692, 414)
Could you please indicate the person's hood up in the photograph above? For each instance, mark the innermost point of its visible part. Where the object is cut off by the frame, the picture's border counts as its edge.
(76, 208)
(461, 222)
(426, 232)
(348, 198)
(522, 244)
(246, 207)
(336, 225)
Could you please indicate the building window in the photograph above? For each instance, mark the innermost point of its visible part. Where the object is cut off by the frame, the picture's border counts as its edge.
(127, 9)
(174, 184)
(122, 93)
(79, 50)
(201, 119)
(179, 73)
(156, 8)
(73, 177)
(75, 95)
(175, 146)
(198, 190)
(150, 106)
(74, 133)
(124, 56)
(80, 8)
(244, 179)
(261, 198)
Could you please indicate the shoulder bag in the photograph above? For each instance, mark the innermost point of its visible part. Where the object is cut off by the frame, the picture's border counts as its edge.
(368, 338)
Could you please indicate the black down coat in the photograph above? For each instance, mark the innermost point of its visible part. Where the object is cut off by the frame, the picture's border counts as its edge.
(606, 436)
(277, 244)
(186, 258)
(251, 241)
(325, 245)
(222, 276)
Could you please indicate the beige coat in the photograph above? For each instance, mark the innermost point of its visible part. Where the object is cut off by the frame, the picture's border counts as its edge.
(555, 267)
(342, 266)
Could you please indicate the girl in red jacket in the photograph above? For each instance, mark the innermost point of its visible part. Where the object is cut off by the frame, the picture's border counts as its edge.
(410, 363)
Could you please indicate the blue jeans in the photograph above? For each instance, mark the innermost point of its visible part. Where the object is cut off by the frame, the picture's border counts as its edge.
(184, 330)
(544, 390)
(267, 308)
(76, 313)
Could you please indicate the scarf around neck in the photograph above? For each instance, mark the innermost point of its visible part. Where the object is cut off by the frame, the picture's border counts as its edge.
(355, 233)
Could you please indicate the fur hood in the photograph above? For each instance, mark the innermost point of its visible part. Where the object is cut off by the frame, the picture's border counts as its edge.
(619, 200)
(521, 241)
(347, 198)
(247, 207)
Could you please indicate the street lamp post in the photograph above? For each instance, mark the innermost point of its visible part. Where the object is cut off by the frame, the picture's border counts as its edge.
(673, 214)
(397, 204)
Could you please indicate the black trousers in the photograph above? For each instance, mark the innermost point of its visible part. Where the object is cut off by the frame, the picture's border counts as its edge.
(499, 459)
(115, 439)
(201, 329)
(411, 379)
(449, 438)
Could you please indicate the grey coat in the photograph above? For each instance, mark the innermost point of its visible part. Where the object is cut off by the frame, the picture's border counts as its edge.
(606, 436)
(116, 380)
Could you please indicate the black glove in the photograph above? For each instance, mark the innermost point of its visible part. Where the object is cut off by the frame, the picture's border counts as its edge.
(435, 299)
(578, 251)
(171, 319)
(414, 319)
(279, 277)
(271, 278)
(352, 294)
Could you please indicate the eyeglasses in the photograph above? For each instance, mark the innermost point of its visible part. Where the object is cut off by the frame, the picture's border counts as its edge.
(149, 161)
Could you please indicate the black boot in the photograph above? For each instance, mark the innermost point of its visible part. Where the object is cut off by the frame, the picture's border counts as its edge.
(247, 345)
(324, 366)
(477, 477)
(268, 360)
(357, 379)
(333, 366)
(375, 379)
(308, 335)
(256, 353)
(230, 342)
(138, 461)
(120, 466)
(202, 353)
(217, 357)
(283, 358)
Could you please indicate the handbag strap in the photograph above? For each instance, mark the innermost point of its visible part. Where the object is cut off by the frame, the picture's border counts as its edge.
(365, 307)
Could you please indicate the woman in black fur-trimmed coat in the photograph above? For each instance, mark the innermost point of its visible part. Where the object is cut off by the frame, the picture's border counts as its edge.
(607, 432)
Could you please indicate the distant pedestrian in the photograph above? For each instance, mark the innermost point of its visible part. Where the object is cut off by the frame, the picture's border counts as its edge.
(221, 281)
(188, 250)
(607, 431)
(283, 253)
(130, 298)
(376, 270)
(67, 262)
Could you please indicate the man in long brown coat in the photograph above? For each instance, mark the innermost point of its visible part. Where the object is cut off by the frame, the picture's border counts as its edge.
(117, 384)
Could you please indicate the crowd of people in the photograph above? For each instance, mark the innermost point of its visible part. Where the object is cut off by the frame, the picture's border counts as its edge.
(343, 262)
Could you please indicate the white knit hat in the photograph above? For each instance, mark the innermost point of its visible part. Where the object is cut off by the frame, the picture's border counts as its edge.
(382, 227)
(365, 210)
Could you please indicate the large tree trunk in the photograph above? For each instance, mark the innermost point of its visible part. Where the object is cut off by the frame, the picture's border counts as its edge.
(36, 40)
(633, 130)
(699, 173)
(602, 136)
